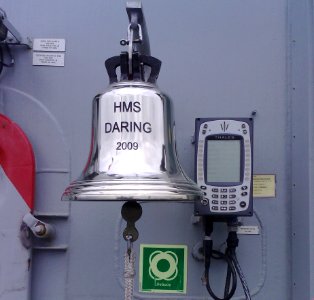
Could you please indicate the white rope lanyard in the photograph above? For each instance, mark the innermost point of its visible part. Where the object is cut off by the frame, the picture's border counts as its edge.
(129, 273)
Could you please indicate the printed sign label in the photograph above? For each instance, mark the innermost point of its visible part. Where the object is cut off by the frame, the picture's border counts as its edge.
(48, 59)
(163, 268)
(251, 230)
(49, 45)
(264, 186)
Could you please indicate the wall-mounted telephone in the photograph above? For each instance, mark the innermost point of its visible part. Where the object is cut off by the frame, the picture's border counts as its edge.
(224, 166)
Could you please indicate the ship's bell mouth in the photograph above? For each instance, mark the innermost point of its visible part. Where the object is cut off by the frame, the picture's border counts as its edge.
(132, 190)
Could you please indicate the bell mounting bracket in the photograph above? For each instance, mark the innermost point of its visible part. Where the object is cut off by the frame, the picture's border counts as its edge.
(137, 30)
(133, 61)
(138, 71)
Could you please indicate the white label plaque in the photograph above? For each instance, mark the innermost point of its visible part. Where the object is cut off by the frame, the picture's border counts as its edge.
(48, 59)
(50, 45)
(252, 230)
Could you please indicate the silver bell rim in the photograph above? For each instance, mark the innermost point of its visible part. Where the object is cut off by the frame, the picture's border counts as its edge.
(132, 190)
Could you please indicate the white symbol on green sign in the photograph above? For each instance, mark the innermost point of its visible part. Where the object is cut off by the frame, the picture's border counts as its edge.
(155, 258)
(163, 268)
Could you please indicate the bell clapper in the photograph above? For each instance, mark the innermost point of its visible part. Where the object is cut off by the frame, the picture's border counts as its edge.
(131, 211)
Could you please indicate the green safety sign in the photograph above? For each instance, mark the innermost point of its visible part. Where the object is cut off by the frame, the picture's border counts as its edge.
(163, 268)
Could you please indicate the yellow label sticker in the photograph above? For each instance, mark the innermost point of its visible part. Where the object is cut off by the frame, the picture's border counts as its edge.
(264, 186)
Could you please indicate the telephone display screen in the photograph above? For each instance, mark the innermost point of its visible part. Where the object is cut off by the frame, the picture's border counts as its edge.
(223, 161)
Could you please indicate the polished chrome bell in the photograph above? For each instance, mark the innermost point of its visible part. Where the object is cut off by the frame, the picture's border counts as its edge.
(133, 155)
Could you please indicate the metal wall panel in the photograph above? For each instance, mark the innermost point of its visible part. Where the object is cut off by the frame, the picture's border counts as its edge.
(220, 59)
(301, 95)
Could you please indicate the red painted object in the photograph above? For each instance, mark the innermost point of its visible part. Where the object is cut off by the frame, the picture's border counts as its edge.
(17, 159)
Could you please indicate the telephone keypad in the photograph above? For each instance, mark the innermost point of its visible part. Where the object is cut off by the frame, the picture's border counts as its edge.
(220, 196)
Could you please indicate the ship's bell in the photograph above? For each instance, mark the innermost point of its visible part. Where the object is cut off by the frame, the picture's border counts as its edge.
(133, 153)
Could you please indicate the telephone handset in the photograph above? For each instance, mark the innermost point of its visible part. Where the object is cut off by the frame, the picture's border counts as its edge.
(224, 166)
